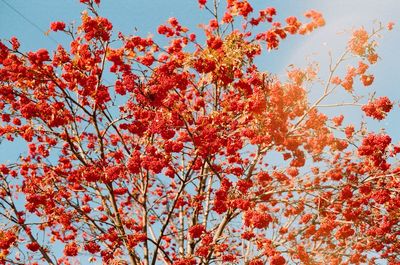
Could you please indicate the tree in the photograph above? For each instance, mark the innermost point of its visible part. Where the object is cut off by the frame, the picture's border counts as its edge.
(189, 153)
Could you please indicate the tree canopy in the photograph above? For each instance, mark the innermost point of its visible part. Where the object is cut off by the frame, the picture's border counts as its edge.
(187, 152)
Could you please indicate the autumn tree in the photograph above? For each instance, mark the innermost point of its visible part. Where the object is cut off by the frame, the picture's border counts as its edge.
(185, 152)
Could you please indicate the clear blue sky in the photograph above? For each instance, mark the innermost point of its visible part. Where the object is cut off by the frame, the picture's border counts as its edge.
(143, 16)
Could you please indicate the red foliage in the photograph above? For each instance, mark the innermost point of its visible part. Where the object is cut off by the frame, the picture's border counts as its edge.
(71, 249)
(378, 108)
(186, 152)
(196, 231)
(58, 25)
(34, 246)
